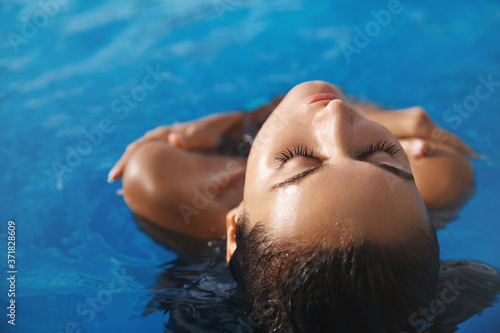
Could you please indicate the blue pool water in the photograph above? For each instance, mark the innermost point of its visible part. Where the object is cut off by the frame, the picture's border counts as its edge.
(66, 70)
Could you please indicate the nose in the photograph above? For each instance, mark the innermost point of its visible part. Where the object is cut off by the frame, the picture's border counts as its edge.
(333, 127)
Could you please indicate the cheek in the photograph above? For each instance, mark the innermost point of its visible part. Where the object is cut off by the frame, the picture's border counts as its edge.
(381, 195)
(286, 208)
(393, 207)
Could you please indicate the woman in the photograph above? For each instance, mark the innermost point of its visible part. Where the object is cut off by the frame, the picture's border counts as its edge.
(332, 233)
(193, 195)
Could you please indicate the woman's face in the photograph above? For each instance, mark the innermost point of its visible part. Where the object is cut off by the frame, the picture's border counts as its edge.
(319, 170)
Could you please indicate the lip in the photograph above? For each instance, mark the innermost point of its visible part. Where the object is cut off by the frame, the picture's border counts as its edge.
(320, 97)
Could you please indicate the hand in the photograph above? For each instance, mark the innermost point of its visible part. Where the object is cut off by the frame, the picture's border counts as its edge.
(201, 134)
(420, 125)
(412, 122)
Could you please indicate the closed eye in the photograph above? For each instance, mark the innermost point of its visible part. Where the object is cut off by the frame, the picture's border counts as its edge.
(301, 150)
(288, 153)
(384, 146)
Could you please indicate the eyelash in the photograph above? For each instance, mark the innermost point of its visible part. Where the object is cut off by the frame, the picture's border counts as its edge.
(301, 150)
(389, 148)
(287, 154)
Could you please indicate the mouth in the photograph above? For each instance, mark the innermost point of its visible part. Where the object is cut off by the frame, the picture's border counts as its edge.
(319, 97)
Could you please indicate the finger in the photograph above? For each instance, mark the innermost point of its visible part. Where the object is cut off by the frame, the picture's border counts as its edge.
(201, 141)
(117, 171)
(464, 148)
(192, 138)
(454, 141)
(176, 140)
(159, 133)
(418, 148)
(113, 175)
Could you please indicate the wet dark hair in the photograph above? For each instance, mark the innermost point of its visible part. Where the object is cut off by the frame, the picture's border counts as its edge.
(291, 286)
(196, 292)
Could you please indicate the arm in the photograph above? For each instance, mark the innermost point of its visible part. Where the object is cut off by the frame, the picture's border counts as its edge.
(200, 134)
(413, 122)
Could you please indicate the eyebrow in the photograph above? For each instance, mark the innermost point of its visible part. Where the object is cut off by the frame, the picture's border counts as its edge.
(398, 172)
(297, 178)
(300, 176)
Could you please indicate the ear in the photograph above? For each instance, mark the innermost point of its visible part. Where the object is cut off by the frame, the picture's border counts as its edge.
(231, 222)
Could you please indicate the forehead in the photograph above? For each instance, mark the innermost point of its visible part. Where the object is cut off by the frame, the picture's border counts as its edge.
(338, 204)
